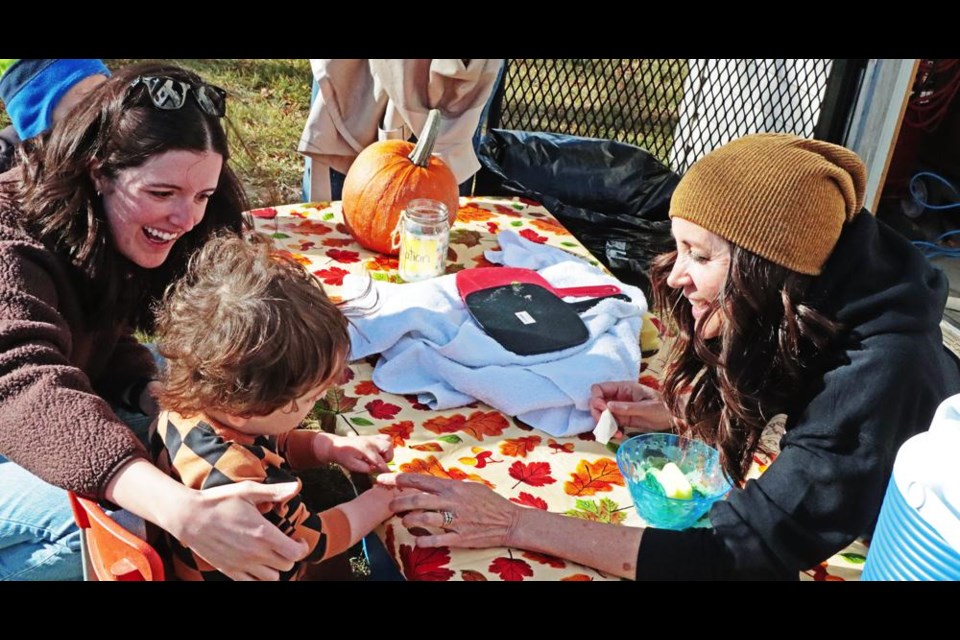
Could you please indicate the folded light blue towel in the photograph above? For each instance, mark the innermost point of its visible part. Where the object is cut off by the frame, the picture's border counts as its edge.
(431, 347)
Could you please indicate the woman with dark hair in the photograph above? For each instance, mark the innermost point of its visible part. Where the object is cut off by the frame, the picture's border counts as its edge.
(97, 219)
(789, 302)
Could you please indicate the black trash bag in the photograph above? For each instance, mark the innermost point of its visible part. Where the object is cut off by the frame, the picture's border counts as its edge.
(612, 196)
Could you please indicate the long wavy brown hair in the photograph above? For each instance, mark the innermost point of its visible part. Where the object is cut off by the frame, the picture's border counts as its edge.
(117, 127)
(725, 389)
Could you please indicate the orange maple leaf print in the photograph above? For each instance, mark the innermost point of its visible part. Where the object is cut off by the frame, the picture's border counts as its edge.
(479, 424)
(427, 446)
(382, 263)
(472, 212)
(592, 477)
(577, 577)
(565, 447)
(510, 569)
(309, 228)
(461, 475)
(366, 388)
(299, 258)
(548, 225)
(399, 432)
(425, 564)
(431, 467)
(519, 447)
(445, 424)
(543, 558)
(535, 474)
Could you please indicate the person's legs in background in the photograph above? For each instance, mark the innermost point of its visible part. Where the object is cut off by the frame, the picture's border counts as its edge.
(337, 178)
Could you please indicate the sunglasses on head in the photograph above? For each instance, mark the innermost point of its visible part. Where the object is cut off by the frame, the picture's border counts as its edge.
(170, 94)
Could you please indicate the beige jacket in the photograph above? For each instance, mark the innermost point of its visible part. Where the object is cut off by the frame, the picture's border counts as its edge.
(363, 100)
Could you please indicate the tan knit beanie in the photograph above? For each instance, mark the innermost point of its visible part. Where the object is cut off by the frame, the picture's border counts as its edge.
(781, 196)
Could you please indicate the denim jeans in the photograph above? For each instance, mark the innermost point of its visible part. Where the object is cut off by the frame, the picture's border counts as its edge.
(39, 539)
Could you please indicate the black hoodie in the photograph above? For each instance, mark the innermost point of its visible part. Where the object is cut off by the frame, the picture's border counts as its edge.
(843, 432)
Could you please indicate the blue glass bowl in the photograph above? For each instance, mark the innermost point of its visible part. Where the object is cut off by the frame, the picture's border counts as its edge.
(698, 461)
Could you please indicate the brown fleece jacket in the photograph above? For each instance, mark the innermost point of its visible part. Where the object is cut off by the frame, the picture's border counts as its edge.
(55, 370)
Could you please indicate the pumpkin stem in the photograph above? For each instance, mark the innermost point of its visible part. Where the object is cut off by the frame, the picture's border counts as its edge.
(420, 155)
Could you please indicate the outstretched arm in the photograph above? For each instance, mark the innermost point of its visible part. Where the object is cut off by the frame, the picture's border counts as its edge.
(483, 519)
(304, 448)
(223, 525)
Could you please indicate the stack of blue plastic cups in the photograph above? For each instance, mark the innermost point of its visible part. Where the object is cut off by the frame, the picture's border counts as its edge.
(918, 533)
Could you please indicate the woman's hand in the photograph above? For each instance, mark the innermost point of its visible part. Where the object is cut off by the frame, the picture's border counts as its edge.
(632, 405)
(477, 517)
(480, 518)
(225, 528)
(363, 454)
(223, 525)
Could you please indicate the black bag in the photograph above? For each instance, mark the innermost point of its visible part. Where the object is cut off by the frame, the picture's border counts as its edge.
(614, 197)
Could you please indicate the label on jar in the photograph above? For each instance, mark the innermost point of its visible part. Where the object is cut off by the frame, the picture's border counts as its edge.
(422, 256)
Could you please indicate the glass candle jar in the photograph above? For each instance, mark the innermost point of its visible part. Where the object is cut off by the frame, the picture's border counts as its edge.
(424, 231)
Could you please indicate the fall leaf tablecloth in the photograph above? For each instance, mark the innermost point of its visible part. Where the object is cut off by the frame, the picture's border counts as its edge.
(575, 476)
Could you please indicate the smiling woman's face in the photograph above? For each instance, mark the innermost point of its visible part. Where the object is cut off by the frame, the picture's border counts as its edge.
(700, 272)
(149, 207)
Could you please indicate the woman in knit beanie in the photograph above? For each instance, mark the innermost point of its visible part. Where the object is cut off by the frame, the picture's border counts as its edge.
(754, 221)
(787, 300)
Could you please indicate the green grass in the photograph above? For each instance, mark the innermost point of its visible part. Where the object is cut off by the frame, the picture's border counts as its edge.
(630, 100)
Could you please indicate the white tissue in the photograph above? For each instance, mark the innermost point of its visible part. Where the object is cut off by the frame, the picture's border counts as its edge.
(606, 427)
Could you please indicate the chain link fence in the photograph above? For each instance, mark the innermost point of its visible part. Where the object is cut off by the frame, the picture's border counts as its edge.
(678, 110)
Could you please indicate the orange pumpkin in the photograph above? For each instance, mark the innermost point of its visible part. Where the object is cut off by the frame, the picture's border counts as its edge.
(385, 177)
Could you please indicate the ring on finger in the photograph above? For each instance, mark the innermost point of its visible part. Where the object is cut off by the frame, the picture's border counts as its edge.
(448, 517)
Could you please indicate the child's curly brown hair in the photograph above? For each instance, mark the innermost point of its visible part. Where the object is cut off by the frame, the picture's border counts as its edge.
(246, 330)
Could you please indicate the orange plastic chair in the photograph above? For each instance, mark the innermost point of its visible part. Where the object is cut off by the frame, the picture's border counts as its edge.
(111, 553)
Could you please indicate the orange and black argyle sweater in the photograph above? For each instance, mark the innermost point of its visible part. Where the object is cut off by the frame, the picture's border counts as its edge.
(203, 453)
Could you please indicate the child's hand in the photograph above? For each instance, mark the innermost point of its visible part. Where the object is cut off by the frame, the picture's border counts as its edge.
(364, 454)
